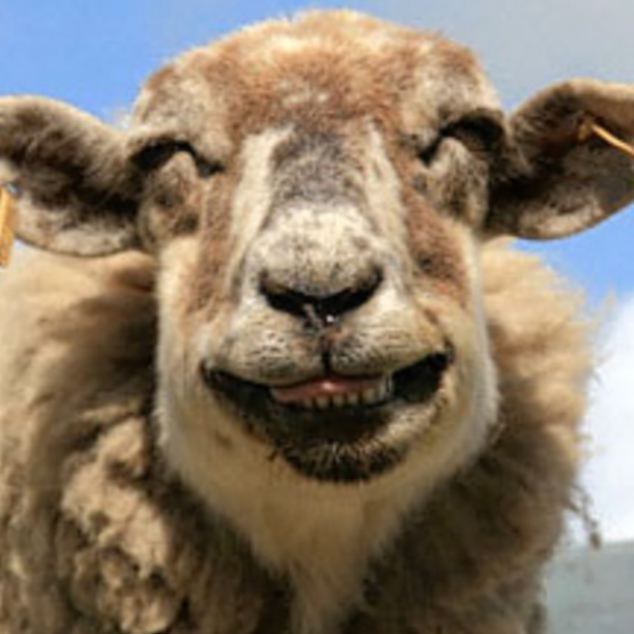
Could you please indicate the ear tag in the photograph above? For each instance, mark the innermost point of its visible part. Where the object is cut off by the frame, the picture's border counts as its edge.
(590, 128)
(7, 223)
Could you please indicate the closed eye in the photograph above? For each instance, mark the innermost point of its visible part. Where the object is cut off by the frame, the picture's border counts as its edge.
(157, 153)
(480, 131)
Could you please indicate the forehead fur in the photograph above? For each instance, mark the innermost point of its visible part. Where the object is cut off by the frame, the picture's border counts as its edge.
(318, 69)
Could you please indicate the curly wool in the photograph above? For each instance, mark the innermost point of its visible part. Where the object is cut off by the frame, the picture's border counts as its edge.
(97, 536)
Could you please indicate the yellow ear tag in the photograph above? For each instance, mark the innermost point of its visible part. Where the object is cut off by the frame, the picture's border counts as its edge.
(589, 128)
(7, 225)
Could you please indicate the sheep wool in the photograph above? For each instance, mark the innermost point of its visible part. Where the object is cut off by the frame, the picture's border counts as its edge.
(273, 365)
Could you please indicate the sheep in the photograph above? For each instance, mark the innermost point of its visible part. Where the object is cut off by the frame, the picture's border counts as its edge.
(281, 371)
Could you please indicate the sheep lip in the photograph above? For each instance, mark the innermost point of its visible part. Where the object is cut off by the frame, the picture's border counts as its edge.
(326, 387)
(332, 438)
(415, 383)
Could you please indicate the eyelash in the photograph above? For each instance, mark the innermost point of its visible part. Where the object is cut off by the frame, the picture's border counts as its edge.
(155, 155)
(480, 134)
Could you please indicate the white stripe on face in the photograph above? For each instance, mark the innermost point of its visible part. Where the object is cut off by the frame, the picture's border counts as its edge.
(253, 195)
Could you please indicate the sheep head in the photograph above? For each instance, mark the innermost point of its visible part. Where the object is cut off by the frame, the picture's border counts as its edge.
(315, 193)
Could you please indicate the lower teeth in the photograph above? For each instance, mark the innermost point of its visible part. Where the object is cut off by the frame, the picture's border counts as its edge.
(369, 397)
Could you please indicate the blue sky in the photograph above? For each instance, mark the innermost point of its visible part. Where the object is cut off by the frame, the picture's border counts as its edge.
(96, 55)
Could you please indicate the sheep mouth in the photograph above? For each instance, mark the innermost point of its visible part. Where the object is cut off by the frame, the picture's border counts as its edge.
(329, 428)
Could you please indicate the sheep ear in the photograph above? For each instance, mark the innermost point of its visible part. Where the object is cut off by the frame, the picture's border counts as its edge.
(77, 190)
(570, 163)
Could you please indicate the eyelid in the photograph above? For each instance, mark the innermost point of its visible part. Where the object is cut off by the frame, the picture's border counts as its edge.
(480, 130)
(479, 126)
(158, 152)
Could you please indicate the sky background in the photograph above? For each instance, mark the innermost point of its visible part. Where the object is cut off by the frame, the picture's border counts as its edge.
(96, 55)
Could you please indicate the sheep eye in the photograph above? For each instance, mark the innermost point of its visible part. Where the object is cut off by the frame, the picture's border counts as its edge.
(428, 153)
(158, 153)
(480, 132)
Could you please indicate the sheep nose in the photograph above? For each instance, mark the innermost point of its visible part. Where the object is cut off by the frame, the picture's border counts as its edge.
(320, 309)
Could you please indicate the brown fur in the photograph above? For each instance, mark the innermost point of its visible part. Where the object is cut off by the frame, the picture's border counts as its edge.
(99, 537)
(313, 198)
(251, 76)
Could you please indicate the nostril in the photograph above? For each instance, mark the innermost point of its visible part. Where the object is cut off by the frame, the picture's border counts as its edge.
(285, 299)
(348, 299)
(323, 308)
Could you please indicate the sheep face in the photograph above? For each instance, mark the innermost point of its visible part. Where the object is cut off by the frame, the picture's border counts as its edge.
(326, 305)
(315, 192)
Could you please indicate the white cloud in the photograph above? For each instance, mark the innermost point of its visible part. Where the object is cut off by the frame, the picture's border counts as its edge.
(609, 475)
